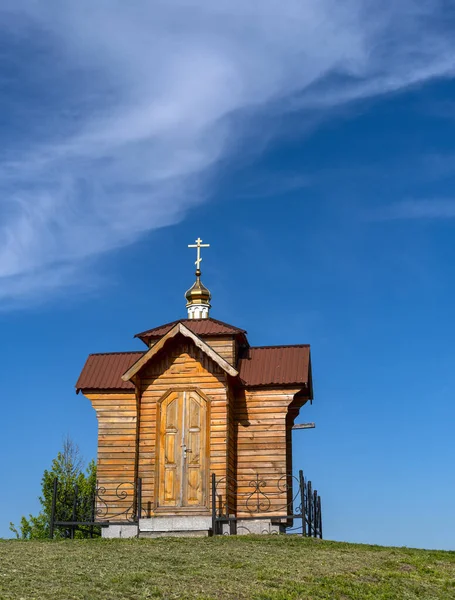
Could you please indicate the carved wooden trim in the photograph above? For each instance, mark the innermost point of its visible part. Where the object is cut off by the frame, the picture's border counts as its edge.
(179, 328)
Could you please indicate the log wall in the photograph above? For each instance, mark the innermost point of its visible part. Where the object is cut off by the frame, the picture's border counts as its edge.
(262, 448)
(116, 414)
(224, 346)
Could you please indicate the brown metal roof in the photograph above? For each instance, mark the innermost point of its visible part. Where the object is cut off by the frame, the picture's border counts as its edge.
(265, 366)
(198, 326)
(104, 371)
(276, 365)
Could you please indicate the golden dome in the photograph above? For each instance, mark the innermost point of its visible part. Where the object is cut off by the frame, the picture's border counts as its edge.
(198, 293)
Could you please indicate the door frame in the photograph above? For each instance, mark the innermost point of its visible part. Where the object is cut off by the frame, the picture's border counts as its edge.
(203, 508)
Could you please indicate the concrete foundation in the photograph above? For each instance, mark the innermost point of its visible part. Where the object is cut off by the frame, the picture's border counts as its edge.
(120, 531)
(259, 527)
(189, 526)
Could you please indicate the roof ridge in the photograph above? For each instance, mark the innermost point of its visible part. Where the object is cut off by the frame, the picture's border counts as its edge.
(119, 352)
(157, 327)
(228, 325)
(171, 323)
(280, 346)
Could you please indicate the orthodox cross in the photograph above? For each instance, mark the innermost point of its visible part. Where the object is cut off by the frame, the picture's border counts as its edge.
(198, 245)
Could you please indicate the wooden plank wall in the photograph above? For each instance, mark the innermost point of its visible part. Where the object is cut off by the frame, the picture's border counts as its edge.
(225, 346)
(116, 413)
(262, 447)
(293, 412)
(231, 454)
(183, 366)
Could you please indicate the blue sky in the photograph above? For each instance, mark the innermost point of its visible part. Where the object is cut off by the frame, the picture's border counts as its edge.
(313, 148)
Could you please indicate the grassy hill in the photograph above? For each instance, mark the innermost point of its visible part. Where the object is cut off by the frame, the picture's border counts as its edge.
(257, 568)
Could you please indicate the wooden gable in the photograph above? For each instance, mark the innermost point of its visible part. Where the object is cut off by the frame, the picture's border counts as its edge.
(177, 330)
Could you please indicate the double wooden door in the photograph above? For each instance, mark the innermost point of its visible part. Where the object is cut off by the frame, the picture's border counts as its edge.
(182, 459)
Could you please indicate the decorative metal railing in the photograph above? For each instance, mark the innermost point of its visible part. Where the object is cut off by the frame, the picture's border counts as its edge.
(234, 503)
(280, 500)
(73, 511)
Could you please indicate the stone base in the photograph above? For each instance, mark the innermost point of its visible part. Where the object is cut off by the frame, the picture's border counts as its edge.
(259, 527)
(175, 526)
(120, 531)
(189, 526)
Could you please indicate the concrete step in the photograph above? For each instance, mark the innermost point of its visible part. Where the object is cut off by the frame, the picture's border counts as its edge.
(175, 526)
(159, 534)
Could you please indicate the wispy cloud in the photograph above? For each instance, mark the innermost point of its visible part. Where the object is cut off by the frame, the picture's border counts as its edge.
(416, 209)
(117, 111)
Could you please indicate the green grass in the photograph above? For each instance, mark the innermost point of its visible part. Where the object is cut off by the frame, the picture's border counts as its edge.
(257, 568)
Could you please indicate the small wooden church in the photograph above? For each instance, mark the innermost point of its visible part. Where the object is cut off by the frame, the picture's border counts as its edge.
(198, 407)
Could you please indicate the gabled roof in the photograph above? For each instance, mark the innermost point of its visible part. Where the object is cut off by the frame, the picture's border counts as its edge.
(179, 329)
(202, 327)
(104, 371)
(266, 366)
(276, 365)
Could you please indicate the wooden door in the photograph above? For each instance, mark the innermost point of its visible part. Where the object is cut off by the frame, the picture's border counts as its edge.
(194, 453)
(182, 476)
(170, 459)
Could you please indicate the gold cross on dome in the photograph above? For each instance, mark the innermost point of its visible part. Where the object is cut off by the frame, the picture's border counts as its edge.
(198, 245)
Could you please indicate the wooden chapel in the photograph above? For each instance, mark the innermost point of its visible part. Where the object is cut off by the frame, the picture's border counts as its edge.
(198, 404)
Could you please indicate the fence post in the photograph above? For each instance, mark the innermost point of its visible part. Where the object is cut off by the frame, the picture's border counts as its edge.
(76, 492)
(310, 509)
(316, 517)
(92, 511)
(320, 517)
(214, 504)
(302, 501)
(54, 503)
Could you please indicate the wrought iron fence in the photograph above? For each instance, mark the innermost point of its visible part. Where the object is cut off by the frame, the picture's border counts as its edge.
(233, 502)
(280, 501)
(73, 511)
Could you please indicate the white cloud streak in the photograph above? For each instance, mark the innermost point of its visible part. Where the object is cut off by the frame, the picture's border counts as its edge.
(145, 103)
(442, 208)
